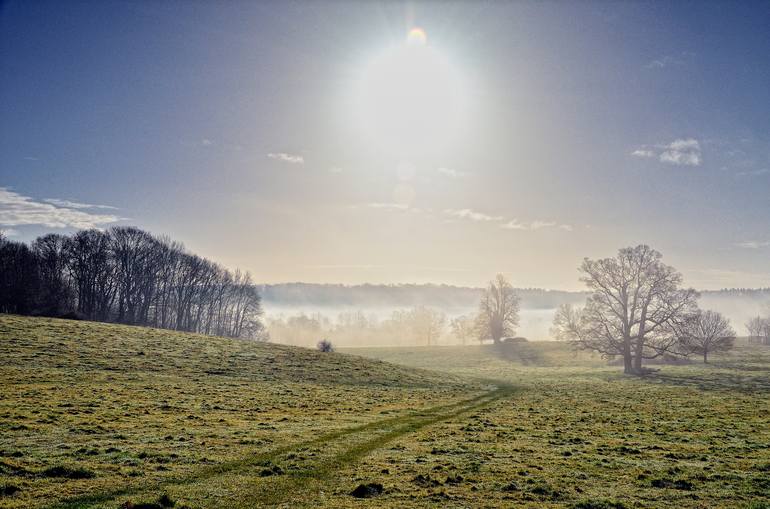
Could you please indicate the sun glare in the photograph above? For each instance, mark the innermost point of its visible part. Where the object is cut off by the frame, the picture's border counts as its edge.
(409, 99)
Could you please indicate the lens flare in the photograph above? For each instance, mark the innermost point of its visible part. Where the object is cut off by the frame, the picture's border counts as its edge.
(417, 37)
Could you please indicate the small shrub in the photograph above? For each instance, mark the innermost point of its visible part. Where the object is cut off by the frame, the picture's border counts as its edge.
(325, 346)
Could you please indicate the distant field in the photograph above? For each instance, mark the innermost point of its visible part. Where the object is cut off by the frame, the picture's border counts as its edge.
(96, 415)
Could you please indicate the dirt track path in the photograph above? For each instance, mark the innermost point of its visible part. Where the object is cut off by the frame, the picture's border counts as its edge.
(242, 483)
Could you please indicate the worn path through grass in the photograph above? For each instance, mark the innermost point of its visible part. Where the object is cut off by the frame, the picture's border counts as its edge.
(290, 473)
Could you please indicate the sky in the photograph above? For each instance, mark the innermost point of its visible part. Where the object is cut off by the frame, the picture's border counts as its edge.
(390, 142)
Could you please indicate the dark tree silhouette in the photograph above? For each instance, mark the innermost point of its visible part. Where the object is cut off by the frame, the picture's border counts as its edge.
(129, 276)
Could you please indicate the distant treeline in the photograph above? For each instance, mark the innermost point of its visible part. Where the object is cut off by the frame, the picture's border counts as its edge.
(367, 296)
(128, 276)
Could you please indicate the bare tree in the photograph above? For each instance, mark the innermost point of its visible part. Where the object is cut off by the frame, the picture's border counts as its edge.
(707, 332)
(463, 328)
(498, 311)
(19, 278)
(427, 324)
(55, 291)
(129, 276)
(759, 330)
(635, 309)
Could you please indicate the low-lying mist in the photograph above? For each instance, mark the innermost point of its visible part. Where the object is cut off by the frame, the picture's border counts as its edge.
(418, 315)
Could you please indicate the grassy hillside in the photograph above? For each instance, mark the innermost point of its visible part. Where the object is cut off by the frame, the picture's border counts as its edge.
(104, 416)
(97, 408)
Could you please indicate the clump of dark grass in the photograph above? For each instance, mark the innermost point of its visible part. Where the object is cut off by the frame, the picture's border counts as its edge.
(8, 490)
(68, 472)
(598, 504)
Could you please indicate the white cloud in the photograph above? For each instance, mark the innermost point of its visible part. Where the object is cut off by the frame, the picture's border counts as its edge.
(452, 173)
(19, 210)
(515, 224)
(471, 215)
(206, 142)
(682, 152)
(76, 205)
(643, 153)
(287, 158)
(335, 170)
(753, 244)
(9, 232)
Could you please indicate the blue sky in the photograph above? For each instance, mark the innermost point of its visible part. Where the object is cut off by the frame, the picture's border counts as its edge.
(242, 129)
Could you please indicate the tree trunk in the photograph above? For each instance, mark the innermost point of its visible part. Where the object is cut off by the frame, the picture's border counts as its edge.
(628, 367)
(705, 357)
(638, 361)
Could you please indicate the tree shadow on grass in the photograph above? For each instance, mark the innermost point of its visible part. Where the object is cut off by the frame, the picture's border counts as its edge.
(522, 353)
(714, 381)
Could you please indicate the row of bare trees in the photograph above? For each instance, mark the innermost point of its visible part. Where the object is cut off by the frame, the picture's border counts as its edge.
(129, 276)
(759, 330)
(638, 310)
(417, 326)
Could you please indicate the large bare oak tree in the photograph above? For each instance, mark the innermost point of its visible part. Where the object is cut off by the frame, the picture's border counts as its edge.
(636, 308)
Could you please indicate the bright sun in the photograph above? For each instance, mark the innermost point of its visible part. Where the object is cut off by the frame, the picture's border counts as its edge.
(409, 99)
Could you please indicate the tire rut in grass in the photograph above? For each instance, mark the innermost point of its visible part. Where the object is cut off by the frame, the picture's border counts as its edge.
(313, 477)
(357, 441)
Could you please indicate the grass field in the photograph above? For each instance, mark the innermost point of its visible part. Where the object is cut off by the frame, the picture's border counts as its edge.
(96, 415)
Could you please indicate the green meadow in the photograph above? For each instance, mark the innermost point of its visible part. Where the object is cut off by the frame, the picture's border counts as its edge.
(110, 416)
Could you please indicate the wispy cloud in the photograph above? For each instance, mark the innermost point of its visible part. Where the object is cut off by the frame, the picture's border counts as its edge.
(19, 210)
(452, 173)
(335, 170)
(9, 232)
(471, 215)
(515, 224)
(670, 60)
(206, 142)
(753, 244)
(753, 173)
(287, 158)
(76, 205)
(680, 152)
(643, 153)
(343, 267)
